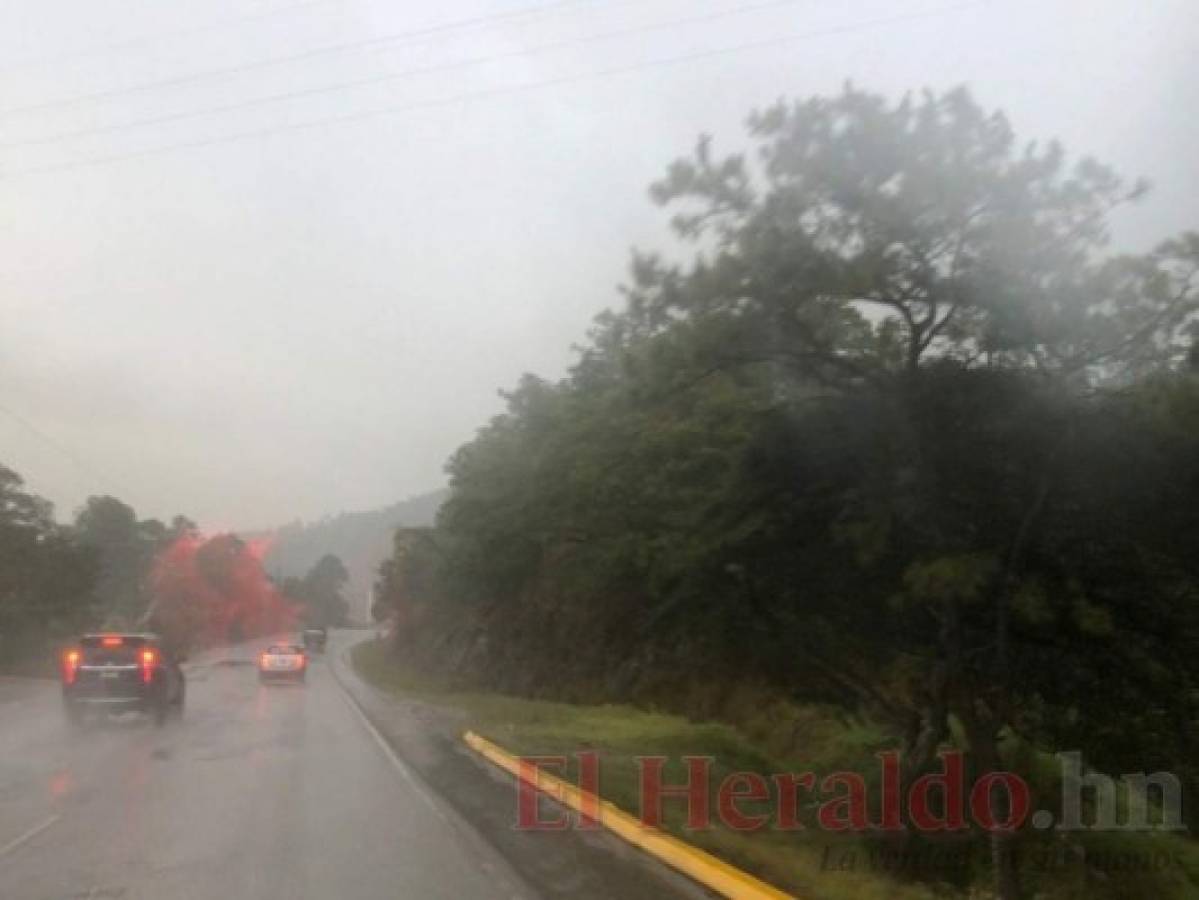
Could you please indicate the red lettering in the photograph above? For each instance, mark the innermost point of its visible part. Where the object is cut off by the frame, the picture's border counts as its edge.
(847, 812)
(788, 787)
(528, 810)
(949, 780)
(695, 791)
(589, 788)
(890, 817)
(982, 801)
(742, 786)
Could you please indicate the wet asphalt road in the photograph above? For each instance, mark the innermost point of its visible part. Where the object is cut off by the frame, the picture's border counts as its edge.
(273, 791)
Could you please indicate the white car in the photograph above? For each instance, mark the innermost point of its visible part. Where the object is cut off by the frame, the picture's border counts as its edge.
(282, 662)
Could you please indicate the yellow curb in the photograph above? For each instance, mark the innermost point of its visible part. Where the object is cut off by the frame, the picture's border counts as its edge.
(705, 868)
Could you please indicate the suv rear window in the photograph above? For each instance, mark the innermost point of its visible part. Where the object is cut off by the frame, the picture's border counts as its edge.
(102, 649)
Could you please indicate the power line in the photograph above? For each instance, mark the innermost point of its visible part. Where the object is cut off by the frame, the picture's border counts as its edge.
(64, 450)
(497, 92)
(394, 76)
(401, 37)
(127, 43)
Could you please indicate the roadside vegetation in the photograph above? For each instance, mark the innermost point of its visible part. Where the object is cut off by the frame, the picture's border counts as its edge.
(109, 569)
(320, 591)
(905, 443)
(46, 579)
(812, 864)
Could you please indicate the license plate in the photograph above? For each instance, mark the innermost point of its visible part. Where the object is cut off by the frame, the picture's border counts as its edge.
(110, 674)
(280, 663)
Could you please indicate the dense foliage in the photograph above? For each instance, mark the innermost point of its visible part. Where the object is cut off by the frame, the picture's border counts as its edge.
(904, 436)
(320, 593)
(211, 590)
(110, 570)
(45, 576)
(126, 548)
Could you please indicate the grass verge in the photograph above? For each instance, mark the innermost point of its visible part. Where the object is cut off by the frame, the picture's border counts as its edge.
(811, 863)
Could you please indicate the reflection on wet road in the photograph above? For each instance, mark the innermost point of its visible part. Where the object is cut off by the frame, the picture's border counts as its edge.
(257, 791)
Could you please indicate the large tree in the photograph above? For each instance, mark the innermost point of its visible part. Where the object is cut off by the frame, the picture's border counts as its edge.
(905, 435)
(320, 591)
(208, 590)
(46, 579)
(864, 237)
(957, 284)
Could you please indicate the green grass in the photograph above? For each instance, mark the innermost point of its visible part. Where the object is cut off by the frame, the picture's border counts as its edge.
(621, 733)
(775, 736)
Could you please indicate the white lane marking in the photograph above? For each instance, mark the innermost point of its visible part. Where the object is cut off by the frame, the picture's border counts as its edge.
(28, 835)
(396, 762)
(463, 830)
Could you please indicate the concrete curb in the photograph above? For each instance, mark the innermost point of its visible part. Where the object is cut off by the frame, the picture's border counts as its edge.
(713, 873)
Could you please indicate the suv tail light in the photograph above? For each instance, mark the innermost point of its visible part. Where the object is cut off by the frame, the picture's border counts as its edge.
(149, 659)
(70, 665)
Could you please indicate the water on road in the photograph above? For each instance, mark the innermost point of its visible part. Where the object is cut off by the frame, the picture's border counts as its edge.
(275, 791)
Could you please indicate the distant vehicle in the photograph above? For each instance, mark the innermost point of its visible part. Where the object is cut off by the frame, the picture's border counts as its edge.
(282, 662)
(315, 637)
(118, 672)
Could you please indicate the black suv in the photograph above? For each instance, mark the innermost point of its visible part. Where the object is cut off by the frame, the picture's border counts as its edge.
(118, 672)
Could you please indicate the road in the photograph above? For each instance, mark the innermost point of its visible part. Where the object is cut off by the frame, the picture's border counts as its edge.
(257, 791)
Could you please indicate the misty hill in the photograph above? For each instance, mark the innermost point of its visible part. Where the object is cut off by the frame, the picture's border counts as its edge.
(361, 539)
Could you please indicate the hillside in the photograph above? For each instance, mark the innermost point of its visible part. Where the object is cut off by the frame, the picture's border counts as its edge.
(361, 539)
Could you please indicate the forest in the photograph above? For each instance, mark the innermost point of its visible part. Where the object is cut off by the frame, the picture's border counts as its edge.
(900, 431)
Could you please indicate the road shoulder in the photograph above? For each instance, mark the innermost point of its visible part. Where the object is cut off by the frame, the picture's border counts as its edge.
(567, 864)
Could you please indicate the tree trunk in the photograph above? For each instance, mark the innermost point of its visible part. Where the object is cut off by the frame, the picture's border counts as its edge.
(985, 749)
(1006, 879)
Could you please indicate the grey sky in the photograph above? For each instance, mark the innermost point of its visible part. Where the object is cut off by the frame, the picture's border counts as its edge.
(309, 322)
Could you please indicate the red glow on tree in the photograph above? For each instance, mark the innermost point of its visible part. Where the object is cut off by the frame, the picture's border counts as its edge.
(213, 590)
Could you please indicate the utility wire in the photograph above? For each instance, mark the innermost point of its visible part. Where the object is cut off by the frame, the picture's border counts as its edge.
(395, 76)
(397, 38)
(487, 94)
(140, 40)
(64, 450)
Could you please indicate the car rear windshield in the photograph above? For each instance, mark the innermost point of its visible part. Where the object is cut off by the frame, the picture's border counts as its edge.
(100, 649)
(284, 648)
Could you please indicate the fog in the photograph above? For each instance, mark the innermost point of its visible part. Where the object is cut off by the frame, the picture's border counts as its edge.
(305, 320)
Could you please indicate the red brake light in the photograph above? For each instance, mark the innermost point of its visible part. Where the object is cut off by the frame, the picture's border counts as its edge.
(112, 640)
(70, 666)
(149, 659)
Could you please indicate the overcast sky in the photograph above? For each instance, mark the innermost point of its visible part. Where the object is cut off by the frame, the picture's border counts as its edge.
(310, 321)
